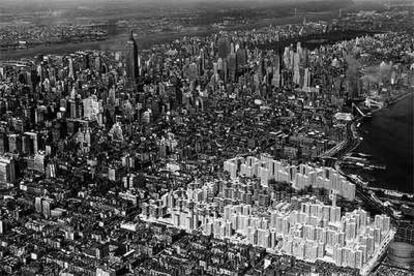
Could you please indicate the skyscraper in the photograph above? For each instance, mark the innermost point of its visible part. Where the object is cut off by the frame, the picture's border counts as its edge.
(132, 61)
(223, 46)
(7, 169)
(276, 71)
(241, 58)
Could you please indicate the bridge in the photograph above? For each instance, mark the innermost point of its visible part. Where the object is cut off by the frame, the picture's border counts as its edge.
(355, 107)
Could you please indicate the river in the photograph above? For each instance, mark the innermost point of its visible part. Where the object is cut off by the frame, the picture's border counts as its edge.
(388, 137)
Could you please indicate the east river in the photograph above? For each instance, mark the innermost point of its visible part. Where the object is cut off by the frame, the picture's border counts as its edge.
(388, 137)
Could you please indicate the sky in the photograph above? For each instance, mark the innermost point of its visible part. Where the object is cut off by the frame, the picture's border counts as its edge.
(166, 1)
(138, 1)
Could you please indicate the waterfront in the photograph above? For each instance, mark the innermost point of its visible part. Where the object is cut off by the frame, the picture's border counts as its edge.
(388, 137)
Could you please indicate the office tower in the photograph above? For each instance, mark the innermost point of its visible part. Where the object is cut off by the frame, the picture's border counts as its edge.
(13, 143)
(223, 47)
(305, 57)
(225, 71)
(232, 67)
(71, 70)
(39, 162)
(98, 64)
(91, 108)
(79, 108)
(241, 58)
(132, 61)
(4, 145)
(232, 47)
(72, 108)
(286, 58)
(192, 72)
(46, 206)
(3, 226)
(299, 49)
(38, 204)
(40, 72)
(51, 170)
(296, 69)
(203, 59)
(276, 71)
(307, 79)
(352, 75)
(7, 169)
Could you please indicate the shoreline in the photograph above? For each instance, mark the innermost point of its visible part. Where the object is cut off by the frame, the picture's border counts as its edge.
(395, 100)
(146, 41)
(362, 120)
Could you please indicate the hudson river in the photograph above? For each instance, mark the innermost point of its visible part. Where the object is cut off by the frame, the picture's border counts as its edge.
(388, 136)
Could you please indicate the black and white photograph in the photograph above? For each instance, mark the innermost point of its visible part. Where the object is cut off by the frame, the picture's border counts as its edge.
(207, 137)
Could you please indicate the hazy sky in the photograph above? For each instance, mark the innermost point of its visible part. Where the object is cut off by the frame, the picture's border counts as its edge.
(138, 1)
(167, 1)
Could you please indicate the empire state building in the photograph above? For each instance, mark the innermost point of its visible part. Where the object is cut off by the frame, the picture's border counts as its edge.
(132, 61)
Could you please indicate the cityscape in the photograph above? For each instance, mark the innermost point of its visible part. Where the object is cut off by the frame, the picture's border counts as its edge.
(234, 137)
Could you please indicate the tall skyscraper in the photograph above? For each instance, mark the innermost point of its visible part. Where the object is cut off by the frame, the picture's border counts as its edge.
(71, 70)
(132, 61)
(223, 46)
(241, 58)
(276, 71)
